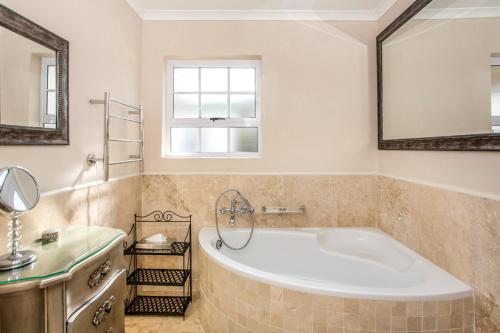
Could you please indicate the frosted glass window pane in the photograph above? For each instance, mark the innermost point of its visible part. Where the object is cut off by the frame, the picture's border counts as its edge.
(495, 103)
(49, 125)
(214, 105)
(51, 103)
(242, 106)
(51, 77)
(214, 79)
(186, 79)
(214, 140)
(244, 140)
(242, 79)
(186, 106)
(184, 140)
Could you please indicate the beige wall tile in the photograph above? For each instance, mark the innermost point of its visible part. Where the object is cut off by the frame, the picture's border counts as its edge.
(414, 324)
(317, 194)
(285, 310)
(458, 232)
(398, 324)
(356, 200)
(159, 192)
(415, 308)
(399, 309)
(262, 191)
(105, 205)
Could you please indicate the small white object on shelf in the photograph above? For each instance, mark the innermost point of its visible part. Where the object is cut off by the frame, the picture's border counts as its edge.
(156, 241)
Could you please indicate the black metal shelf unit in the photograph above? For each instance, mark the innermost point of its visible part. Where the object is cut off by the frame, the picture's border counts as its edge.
(177, 249)
(173, 277)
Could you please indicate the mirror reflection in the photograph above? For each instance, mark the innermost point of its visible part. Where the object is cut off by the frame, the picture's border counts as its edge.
(495, 94)
(28, 76)
(441, 72)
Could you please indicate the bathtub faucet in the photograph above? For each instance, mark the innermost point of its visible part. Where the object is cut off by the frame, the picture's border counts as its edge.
(233, 210)
(239, 205)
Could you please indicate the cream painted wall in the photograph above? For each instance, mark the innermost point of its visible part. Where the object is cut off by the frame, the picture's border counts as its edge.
(475, 172)
(318, 103)
(105, 47)
(323, 122)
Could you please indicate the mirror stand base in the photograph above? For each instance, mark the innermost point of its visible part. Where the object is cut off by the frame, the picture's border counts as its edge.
(21, 258)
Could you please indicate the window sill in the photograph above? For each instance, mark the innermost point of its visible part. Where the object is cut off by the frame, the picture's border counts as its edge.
(216, 156)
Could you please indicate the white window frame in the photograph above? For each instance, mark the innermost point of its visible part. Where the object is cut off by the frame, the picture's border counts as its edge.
(46, 118)
(495, 120)
(171, 122)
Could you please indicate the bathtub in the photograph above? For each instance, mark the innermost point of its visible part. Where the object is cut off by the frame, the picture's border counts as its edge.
(345, 269)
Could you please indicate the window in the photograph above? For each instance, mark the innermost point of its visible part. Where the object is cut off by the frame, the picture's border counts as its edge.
(48, 93)
(213, 108)
(495, 94)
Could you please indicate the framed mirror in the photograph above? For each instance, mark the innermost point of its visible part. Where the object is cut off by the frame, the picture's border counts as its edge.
(33, 83)
(438, 70)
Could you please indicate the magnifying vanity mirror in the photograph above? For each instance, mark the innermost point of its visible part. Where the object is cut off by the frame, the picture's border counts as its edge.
(439, 77)
(19, 193)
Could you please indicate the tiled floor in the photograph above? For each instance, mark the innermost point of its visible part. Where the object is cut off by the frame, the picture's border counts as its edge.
(153, 324)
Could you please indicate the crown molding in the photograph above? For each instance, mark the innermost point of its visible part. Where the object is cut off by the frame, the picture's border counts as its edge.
(260, 15)
(457, 13)
(383, 7)
(137, 6)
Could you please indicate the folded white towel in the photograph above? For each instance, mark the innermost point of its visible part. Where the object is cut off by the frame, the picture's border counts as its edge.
(156, 239)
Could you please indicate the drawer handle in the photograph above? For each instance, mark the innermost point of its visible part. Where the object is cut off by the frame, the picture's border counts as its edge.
(110, 330)
(101, 313)
(108, 305)
(100, 274)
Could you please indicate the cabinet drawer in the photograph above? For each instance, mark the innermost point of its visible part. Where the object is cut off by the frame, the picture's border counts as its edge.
(89, 280)
(104, 313)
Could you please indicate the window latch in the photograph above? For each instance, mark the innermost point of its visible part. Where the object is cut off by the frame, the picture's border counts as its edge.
(216, 118)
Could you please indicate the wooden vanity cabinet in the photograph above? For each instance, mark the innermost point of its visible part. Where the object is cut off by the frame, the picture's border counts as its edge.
(85, 297)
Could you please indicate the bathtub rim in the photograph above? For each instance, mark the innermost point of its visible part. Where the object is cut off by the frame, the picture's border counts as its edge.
(207, 234)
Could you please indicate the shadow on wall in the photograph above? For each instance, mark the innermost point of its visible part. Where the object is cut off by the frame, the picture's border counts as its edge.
(104, 204)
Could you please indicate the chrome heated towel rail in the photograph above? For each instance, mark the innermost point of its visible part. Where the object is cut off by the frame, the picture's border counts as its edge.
(135, 110)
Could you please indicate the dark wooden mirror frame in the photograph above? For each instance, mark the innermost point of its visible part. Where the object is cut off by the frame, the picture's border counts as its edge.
(475, 142)
(24, 135)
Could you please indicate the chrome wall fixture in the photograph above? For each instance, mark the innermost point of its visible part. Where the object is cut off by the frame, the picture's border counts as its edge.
(239, 205)
(233, 210)
(137, 111)
(284, 210)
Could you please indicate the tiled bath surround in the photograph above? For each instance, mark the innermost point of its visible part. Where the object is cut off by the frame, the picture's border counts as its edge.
(458, 232)
(330, 201)
(232, 303)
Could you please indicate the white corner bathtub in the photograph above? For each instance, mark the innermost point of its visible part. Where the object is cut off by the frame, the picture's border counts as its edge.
(359, 263)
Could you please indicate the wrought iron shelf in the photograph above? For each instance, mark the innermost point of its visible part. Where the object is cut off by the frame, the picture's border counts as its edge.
(179, 277)
(177, 249)
(158, 305)
(159, 277)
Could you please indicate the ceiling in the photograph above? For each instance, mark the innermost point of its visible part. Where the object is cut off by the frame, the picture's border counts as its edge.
(365, 10)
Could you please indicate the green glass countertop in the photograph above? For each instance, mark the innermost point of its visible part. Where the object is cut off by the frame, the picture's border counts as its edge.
(75, 244)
